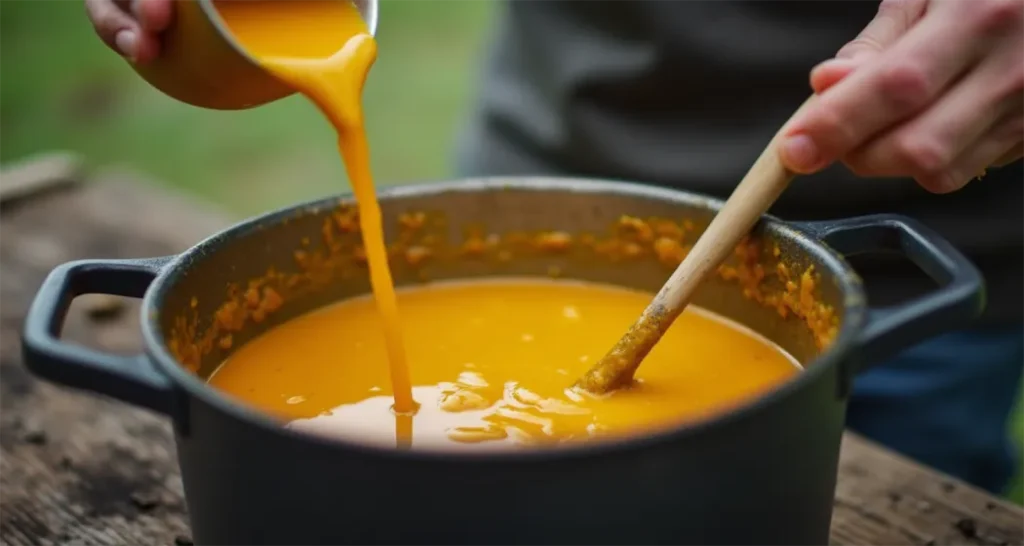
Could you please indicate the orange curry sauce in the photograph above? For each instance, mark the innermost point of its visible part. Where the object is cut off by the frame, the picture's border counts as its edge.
(492, 361)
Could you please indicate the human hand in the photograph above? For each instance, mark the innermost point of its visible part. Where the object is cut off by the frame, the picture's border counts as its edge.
(931, 89)
(131, 27)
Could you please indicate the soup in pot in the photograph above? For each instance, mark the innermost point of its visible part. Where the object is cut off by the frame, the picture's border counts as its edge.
(491, 365)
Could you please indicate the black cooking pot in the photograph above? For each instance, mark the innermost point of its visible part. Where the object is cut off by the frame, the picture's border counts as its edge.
(764, 473)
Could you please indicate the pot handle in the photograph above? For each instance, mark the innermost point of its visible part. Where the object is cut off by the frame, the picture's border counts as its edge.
(959, 299)
(132, 379)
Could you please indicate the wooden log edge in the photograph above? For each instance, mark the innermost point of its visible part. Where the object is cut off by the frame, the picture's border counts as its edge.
(39, 174)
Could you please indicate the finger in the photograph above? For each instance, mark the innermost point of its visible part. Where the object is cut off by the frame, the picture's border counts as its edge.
(115, 27)
(154, 16)
(1013, 153)
(147, 48)
(930, 142)
(830, 72)
(896, 85)
(973, 162)
(1014, 125)
(893, 19)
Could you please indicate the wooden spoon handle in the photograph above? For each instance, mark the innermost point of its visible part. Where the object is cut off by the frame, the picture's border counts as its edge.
(755, 194)
(761, 186)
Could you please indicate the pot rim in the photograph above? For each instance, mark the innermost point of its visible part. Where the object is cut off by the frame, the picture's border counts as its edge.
(853, 319)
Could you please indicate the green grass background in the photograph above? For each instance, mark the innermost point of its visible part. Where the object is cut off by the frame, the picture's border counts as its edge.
(60, 88)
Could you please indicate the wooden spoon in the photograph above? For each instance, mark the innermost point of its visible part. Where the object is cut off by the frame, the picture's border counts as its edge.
(761, 186)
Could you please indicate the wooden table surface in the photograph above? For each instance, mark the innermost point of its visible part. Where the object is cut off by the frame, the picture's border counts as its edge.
(81, 469)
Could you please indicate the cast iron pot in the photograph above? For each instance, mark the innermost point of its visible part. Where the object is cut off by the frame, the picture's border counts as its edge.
(764, 473)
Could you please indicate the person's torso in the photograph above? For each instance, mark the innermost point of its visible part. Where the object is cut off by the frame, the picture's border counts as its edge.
(686, 94)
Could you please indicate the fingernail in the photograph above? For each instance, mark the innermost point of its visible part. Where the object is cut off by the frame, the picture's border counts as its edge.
(800, 153)
(126, 41)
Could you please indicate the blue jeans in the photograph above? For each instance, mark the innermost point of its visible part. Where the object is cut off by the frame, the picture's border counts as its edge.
(947, 403)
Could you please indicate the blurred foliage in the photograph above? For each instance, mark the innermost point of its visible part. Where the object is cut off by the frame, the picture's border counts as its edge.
(62, 88)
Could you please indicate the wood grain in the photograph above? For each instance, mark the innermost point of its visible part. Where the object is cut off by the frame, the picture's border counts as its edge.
(77, 468)
(80, 469)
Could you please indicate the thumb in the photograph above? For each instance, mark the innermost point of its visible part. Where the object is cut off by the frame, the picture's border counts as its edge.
(893, 20)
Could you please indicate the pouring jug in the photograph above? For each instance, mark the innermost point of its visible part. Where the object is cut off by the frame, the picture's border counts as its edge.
(200, 63)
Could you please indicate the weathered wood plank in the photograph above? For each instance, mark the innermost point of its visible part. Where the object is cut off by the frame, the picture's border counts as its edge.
(38, 174)
(79, 469)
(884, 498)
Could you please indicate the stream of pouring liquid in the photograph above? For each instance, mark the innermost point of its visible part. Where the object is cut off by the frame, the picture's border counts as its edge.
(297, 42)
